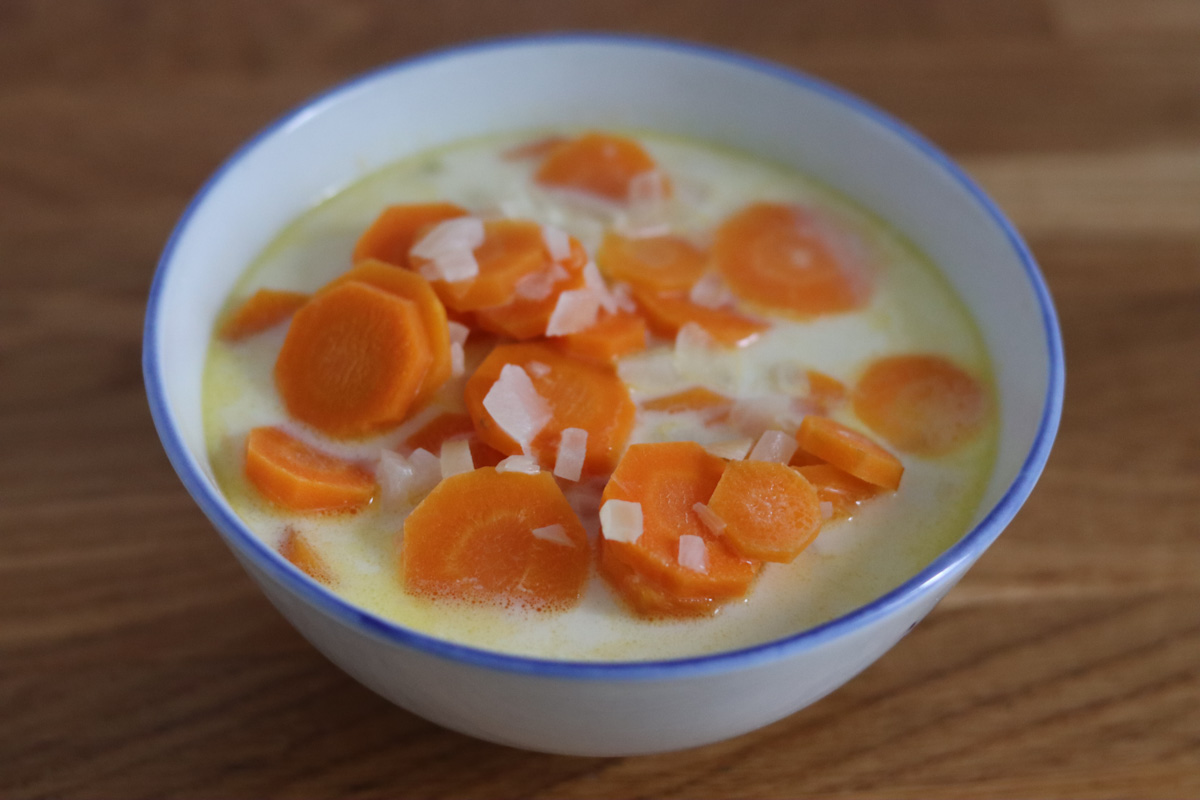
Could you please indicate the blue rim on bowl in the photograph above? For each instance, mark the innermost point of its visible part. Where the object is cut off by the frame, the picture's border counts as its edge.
(967, 548)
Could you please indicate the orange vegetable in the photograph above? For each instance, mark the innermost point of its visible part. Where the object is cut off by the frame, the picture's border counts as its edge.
(771, 511)
(411, 286)
(667, 313)
(354, 360)
(647, 597)
(921, 404)
(598, 163)
(579, 394)
(840, 488)
(696, 398)
(297, 477)
(537, 148)
(825, 392)
(526, 318)
(612, 337)
(472, 538)
(450, 426)
(849, 450)
(667, 480)
(511, 249)
(264, 309)
(396, 230)
(654, 264)
(784, 258)
(298, 550)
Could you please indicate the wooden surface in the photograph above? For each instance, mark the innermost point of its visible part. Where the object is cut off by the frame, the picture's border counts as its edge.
(137, 660)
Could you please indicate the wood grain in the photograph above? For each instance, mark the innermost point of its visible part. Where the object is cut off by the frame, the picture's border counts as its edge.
(136, 660)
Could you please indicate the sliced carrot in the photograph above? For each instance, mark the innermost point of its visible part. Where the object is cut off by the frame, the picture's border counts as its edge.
(825, 392)
(844, 491)
(668, 479)
(578, 394)
(803, 458)
(354, 360)
(395, 231)
(298, 550)
(526, 318)
(411, 286)
(297, 477)
(612, 337)
(697, 398)
(921, 404)
(771, 511)
(472, 538)
(450, 426)
(264, 309)
(538, 148)
(850, 450)
(667, 313)
(784, 258)
(598, 163)
(655, 263)
(646, 596)
(511, 249)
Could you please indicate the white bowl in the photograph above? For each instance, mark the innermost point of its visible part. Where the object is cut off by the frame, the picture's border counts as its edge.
(612, 82)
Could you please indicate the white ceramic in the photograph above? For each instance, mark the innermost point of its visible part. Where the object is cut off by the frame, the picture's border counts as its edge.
(613, 82)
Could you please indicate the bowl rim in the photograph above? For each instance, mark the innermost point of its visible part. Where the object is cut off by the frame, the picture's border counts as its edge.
(969, 547)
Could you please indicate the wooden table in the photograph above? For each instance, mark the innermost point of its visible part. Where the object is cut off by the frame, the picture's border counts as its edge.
(137, 660)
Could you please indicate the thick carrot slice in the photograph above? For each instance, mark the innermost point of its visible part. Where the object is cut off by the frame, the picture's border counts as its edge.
(354, 360)
(527, 317)
(667, 313)
(611, 338)
(849, 450)
(449, 427)
(696, 398)
(538, 148)
(668, 479)
(473, 538)
(599, 163)
(297, 477)
(395, 231)
(577, 393)
(771, 511)
(647, 597)
(921, 404)
(511, 249)
(841, 489)
(411, 286)
(298, 550)
(785, 258)
(264, 309)
(655, 264)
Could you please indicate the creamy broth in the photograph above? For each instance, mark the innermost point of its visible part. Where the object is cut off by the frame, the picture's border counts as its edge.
(851, 562)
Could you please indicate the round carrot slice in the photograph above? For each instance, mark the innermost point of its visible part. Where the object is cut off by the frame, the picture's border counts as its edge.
(667, 480)
(844, 491)
(395, 231)
(598, 163)
(647, 597)
(264, 309)
(614, 336)
(481, 536)
(295, 476)
(697, 398)
(578, 394)
(411, 286)
(667, 313)
(511, 249)
(354, 360)
(921, 404)
(656, 263)
(771, 511)
(849, 450)
(527, 317)
(784, 258)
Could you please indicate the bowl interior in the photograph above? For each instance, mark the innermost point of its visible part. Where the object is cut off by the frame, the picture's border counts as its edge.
(614, 83)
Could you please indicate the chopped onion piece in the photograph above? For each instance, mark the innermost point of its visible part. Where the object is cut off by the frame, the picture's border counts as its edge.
(621, 521)
(539, 285)
(456, 457)
(826, 509)
(558, 243)
(538, 369)
(593, 280)
(774, 446)
(452, 266)
(709, 518)
(693, 554)
(711, 292)
(527, 465)
(623, 296)
(693, 336)
(575, 311)
(733, 449)
(458, 359)
(516, 406)
(458, 332)
(761, 413)
(572, 449)
(553, 533)
(402, 478)
(460, 233)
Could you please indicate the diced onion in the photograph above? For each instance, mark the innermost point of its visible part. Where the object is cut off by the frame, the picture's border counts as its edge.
(558, 243)
(516, 407)
(826, 509)
(456, 458)
(774, 446)
(403, 478)
(621, 521)
(460, 233)
(693, 553)
(572, 449)
(540, 284)
(458, 332)
(711, 292)
(622, 295)
(553, 533)
(575, 311)
(453, 265)
(732, 449)
(458, 359)
(709, 518)
(538, 369)
(527, 465)
(593, 280)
